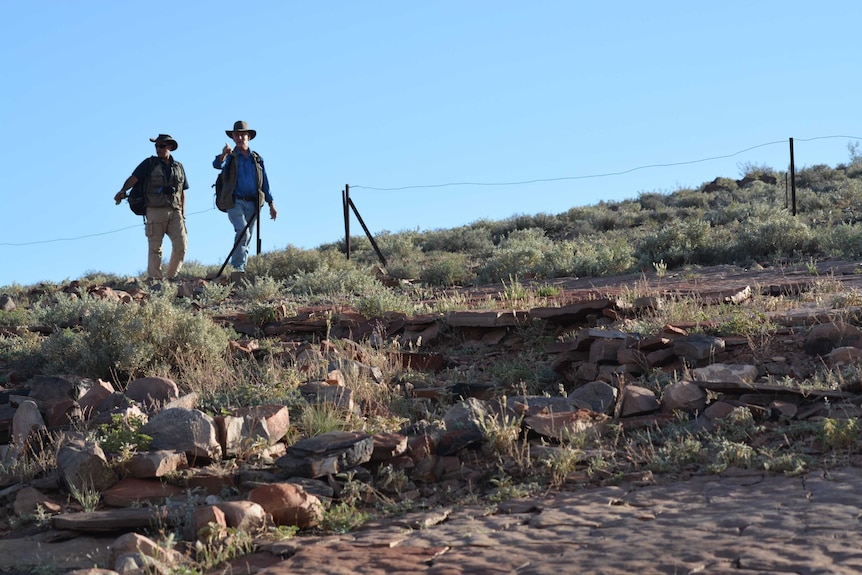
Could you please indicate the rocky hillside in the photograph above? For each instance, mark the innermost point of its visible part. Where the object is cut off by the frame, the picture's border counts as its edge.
(122, 476)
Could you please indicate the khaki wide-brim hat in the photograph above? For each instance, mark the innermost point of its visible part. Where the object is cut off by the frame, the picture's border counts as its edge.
(241, 126)
(172, 144)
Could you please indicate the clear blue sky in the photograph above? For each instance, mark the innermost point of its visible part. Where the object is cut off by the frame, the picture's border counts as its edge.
(393, 94)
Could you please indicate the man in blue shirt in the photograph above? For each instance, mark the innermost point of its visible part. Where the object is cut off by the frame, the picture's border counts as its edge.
(245, 176)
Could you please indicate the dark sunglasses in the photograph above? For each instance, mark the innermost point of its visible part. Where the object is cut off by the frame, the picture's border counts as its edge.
(160, 146)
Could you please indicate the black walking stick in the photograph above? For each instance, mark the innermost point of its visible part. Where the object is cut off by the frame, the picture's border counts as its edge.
(239, 237)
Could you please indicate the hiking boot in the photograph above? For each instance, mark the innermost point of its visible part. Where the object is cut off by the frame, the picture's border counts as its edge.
(237, 277)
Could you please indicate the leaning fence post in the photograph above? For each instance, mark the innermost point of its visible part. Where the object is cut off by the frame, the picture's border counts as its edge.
(345, 200)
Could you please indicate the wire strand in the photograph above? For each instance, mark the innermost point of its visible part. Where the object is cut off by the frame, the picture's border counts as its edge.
(518, 183)
(589, 176)
(86, 236)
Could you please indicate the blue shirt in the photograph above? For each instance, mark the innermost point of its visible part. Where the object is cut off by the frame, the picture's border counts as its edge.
(246, 176)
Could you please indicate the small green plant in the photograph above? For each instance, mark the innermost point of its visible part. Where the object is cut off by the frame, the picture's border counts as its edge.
(122, 436)
(262, 314)
(322, 417)
(501, 432)
(547, 290)
(221, 544)
(660, 268)
(214, 293)
(381, 299)
(677, 453)
(345, 516)
(505, 487)
(790, 464)
(746, 322)
(561, 463)
(731, 454)
(514, 291)
(838, 434)
(86, 495)
(738, 426)
(261, 289)
(280, 532)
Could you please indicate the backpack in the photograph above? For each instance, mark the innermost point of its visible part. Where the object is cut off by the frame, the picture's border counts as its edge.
(138, 194)
(223, 201)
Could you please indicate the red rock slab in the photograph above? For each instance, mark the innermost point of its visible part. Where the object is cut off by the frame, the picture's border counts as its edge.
(132, 491)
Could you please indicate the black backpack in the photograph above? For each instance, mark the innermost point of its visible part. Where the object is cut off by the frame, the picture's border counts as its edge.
(138, 194)
(223, 201)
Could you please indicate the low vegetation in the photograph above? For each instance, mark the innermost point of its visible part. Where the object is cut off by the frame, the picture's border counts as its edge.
(66, 329)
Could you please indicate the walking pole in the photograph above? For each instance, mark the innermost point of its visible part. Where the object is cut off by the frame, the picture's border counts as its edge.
(236, 245)
(257, 217)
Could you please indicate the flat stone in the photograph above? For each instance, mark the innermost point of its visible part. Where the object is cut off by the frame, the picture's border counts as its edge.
(131, 491)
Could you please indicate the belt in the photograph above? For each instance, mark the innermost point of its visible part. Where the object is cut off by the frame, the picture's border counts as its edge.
(251, 199)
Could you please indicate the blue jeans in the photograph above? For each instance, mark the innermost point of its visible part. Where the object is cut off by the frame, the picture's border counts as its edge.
(239, 215)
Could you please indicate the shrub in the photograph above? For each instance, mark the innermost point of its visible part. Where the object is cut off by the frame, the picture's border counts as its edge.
(377, 301)
(598, 255)
(447, 269)
(474, 239)
(329, 282)
(130, 340)
(678, 243)
(842, 241)
(260, 289)
(774, 234)
(518, 254)
(285, 263)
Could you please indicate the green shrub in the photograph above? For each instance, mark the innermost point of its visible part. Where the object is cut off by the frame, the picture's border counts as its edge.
(447, 269)
(775, 234)
(678, 243)
(378, 300)
(841, 241)
(601, 254)
(331, 282)
(474, 239)
(518, 254)
(285, 263)
(405, 268)
(116, 340)
(260, 289)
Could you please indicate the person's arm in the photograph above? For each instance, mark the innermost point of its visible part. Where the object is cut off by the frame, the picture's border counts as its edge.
(121, 195)
(139, 173)
(219, 161)
(273, 213)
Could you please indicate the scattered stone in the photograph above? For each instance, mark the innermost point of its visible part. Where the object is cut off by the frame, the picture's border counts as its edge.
(187, 430)
(683, 396)
(133, 492)
(726, 372)
(596, 396)
(328, 453)
(824, 338)
(83, 465)
(288, 504)
(698, 346)
(152, 391)
(637, 400)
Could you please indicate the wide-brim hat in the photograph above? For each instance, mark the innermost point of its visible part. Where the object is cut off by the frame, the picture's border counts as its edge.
(241, 126)
(165, 138)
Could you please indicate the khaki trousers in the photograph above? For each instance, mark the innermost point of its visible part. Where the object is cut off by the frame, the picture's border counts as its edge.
(161, 222)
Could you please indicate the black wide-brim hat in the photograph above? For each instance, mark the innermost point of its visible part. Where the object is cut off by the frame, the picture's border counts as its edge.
(241, 126)
(165, 138)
